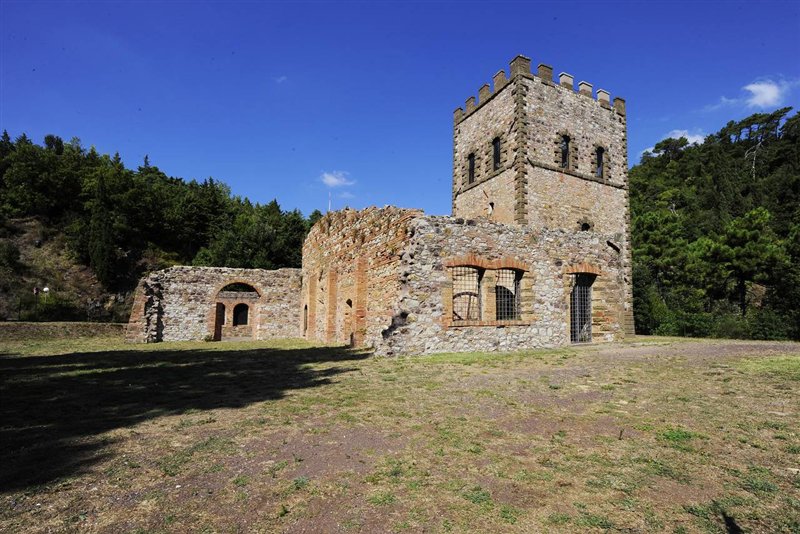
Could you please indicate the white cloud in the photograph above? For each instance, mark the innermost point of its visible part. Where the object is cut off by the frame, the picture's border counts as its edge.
(763, 93)
(724, 102)
(693, 138)
(346, 195)
(281, 79)
(336, 179)
(766, 93)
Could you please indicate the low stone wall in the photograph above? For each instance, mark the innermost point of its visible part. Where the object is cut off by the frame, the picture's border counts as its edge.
(179, 304)
(21, 331)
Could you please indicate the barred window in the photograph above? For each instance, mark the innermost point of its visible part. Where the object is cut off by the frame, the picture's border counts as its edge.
(507, 294)
(467, 293)
(495, 153)
(471, 171)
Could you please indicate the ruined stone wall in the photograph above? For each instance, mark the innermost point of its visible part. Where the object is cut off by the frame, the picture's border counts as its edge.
(549, 258)
(351, 262)
(179, 304)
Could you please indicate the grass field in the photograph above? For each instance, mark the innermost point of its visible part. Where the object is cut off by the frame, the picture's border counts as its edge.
(657, 435)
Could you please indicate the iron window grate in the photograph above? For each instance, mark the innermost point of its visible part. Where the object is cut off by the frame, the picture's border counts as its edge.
(580, 309)
(467, 293)
(507, 294)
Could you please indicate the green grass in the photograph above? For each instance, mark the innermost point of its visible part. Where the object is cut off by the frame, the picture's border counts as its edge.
(784, 367)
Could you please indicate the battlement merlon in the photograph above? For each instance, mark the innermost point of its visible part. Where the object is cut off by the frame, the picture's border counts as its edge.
(521, 66)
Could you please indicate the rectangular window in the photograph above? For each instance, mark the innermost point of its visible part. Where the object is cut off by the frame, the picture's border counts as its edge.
(564, 151)
(507, 294)
(471, 172)
(496, 153)
(580, 309)
(600, 162)
(467, 293)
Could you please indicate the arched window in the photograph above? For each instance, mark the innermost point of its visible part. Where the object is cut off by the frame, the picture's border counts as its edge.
(467, 293)
(495, 153)
(471, 170)
(565, 151)
(240, 312)
(600, 153)
(507, 294)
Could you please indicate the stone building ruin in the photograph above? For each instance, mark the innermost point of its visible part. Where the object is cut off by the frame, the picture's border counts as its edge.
(535, 254)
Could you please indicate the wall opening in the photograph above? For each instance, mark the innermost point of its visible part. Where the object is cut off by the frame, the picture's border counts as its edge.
(580, 308)
(240, 314)
(564, 151)
(305, 319)
(599, 169)
(351, 337)
(219, 320)
(467, 293)
(239, 287)
(471, 169)
(507, 294)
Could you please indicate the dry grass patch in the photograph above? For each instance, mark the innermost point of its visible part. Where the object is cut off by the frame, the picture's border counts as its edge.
(649, 436)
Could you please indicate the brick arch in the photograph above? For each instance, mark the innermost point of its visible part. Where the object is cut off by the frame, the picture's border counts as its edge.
(211, 315)
(230, 281)
(472, 260)
(584, 267)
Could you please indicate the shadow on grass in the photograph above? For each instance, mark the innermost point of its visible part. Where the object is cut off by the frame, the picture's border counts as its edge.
(52, 408)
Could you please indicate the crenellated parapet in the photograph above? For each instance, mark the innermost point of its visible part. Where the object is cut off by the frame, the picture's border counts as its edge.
(520, 66)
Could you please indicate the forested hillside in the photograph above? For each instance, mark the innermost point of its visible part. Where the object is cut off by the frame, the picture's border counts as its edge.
(715, 227)
(63, 206)
(716, 232)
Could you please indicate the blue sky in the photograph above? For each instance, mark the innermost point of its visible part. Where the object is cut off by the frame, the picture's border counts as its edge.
(297, 101)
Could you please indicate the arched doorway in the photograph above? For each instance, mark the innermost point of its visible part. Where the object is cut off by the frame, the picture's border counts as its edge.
(235, 312)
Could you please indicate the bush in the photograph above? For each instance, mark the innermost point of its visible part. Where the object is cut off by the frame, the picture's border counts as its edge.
(55, 308)
(9, 255)
(764, 323)
(731, 326)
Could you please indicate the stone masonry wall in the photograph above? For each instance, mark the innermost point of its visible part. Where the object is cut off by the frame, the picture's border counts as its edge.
(474, 135)
(179, 304)
(549, 259)
(351, 262)
(537, 111)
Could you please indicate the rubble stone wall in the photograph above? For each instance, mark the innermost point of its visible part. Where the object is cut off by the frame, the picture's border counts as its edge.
(549, 260)
(179, 304)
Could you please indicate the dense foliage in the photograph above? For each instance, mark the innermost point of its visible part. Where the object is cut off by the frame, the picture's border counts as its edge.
(715, 226)
(716, 232)
(121, 221)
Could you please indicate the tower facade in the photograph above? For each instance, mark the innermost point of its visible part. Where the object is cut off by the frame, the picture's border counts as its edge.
(539, 152)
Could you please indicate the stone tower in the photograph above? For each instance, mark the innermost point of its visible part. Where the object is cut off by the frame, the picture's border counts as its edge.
(536, 152)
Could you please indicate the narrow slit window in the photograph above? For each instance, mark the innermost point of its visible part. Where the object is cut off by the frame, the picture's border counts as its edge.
(507, 294)
(467, 293)
(600, 162)
(471, 170)
(496, 153)
(564, 151)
